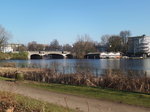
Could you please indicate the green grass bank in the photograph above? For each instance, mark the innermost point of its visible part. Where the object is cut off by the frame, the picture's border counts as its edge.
(132, 98)
(19, 55)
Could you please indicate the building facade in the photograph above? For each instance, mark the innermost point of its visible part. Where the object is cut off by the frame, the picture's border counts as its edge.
(6, 48)
(139, 45)
(110, 55)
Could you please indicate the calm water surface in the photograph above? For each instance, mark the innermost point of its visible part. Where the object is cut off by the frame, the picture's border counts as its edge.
(95, 66)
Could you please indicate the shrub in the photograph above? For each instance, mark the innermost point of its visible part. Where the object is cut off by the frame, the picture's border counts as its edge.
(20, 55)
(19, 76)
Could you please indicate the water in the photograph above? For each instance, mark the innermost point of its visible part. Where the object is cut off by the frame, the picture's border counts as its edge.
(94, 66)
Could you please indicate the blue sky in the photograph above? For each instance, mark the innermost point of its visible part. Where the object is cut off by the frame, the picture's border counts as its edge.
(45, 20)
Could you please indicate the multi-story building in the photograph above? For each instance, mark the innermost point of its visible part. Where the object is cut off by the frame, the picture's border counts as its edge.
(9, 47)
(6, 48)
(139, 45)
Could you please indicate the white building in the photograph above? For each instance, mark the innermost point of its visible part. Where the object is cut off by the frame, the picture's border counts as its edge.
(7, 48)
(112, 55)
(139, 44)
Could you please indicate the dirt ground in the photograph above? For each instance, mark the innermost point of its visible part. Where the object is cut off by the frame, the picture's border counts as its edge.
(71, 101)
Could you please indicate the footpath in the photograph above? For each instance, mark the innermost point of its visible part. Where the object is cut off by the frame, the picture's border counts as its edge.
(71, 101)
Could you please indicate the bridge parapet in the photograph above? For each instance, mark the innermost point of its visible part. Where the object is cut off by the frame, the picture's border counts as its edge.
(44, 53)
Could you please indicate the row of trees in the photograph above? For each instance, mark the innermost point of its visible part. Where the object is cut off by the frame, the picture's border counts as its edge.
(80, 48)
(84, 44)
(116, 43)
(53, 46)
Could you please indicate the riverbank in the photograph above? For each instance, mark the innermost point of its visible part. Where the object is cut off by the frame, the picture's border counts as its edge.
(113, 80)
(12, 56)
(132, 98)
(73, 101)
(10, 102)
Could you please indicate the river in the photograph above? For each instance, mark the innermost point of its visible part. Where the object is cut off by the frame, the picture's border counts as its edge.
(94, 66)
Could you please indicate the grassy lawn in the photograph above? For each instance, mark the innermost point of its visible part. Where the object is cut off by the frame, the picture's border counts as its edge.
(4, 78)
(139, 99)
(25, 104)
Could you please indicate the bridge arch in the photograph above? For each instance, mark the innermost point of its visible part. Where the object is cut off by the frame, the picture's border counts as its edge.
(35, 56)
(49, 55)
(55, 56)
(69, 56)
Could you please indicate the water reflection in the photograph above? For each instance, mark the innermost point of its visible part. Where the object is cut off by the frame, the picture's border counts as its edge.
(97, 66)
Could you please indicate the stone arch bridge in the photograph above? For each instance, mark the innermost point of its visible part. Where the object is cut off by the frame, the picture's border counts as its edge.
(49, 55)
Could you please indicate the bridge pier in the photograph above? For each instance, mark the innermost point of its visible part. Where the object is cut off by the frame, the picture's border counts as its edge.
(29, 56)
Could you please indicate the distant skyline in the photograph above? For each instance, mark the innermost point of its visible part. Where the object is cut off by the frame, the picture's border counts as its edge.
(46, 20)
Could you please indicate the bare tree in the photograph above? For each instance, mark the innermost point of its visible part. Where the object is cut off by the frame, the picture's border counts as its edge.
(40, 47)
(34, 46)
(105, 39)
(54, 45)
(4, 36)
(21, 48)
(115, 43)
(124, 35)
(83, 45)
(67, 47)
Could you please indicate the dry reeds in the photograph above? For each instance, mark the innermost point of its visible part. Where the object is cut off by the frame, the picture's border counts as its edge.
(8, 64)
(114, 80)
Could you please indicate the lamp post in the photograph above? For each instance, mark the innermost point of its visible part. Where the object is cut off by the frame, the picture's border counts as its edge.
(110, 47)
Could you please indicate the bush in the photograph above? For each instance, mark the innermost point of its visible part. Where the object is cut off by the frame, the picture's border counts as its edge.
(4, 56)
(20, 55)
(19, 76)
